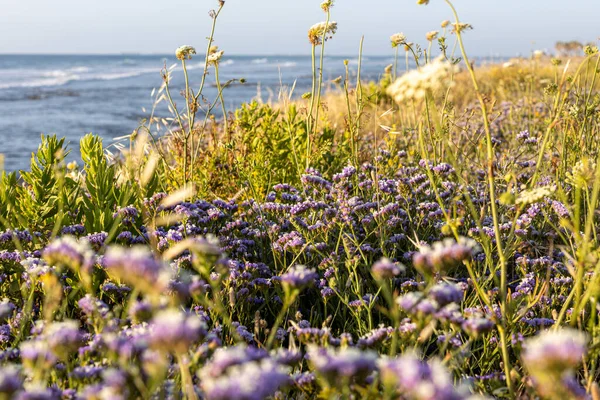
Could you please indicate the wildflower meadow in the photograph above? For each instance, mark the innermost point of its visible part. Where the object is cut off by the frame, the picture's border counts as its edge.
(432, 235)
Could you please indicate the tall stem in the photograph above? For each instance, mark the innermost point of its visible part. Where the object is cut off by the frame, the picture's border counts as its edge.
(318, 102)
(494, 210)
(359, 92)
(187, 385)
(210, 41)
(188, 99)
(312, 104)
(289, 300)
(396, 63)
(205, 71)
(221, 99)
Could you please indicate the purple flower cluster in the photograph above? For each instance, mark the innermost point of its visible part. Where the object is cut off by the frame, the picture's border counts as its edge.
(138, 267)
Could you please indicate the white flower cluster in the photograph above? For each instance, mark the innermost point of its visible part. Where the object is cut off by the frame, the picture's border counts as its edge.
(185, 52)
(534, 195)
(398, 39)
(315, 33)
(416, 84)
(215, 57)
(582, 174)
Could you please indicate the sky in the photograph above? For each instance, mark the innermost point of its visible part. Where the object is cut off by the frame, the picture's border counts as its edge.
(265, 27)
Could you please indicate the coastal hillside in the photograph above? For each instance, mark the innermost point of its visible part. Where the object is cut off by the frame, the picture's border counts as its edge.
(426, 230)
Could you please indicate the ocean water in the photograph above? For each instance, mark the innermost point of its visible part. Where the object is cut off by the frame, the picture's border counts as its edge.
(73, 95)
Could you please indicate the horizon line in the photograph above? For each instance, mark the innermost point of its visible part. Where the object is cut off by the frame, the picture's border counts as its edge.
(227, 55)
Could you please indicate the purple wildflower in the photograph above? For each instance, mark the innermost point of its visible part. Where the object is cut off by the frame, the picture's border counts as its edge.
(175, 331)
(386, 269)
(138, 267)
(338, 367)
(298, 277)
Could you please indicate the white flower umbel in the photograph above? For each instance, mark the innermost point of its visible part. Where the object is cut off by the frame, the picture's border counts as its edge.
(418, 83)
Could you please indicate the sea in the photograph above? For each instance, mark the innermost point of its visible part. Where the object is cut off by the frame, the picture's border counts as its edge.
(110, 95)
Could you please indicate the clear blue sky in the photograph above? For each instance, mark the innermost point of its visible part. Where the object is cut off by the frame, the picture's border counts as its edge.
(505, 27)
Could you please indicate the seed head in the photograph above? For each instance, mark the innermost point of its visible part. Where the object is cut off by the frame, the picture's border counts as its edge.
(445, 23)
(398, 39)
(316, 32)
(422, 2)
(431, 36)
(326, 5)
(582, 174)
(459, 27)
(185, 52)
(590, 50)
(215, 57)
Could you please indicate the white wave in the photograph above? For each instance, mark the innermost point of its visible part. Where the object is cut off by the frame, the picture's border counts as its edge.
(58, 81)
(288, 64)
(227, 62)
(62, 77)
(79, 70)
(260, 61)
(190, 67)
(64, 72)
(110, 76)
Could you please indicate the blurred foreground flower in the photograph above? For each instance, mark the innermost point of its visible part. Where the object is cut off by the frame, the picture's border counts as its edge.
(71, 252)
(10, 381)
(442, 256)
(242, 372)
(137, 266)
(555, 351)
(175, 331)
(63, 338)
(339, 367)
(386, 269)
(552, 358)
(415, 379)
(249, 381)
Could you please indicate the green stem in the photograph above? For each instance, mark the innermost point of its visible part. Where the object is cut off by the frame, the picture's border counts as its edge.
(312, 104)
(396, 63)
(320, 84)
(221, 99)
(187, 385)
(188, 99)
(490, 174)
(289, 300)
